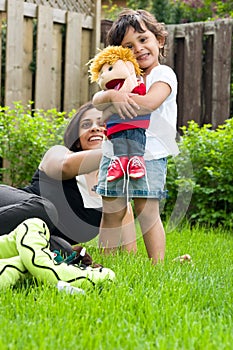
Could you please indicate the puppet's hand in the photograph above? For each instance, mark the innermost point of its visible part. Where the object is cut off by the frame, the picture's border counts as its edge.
(107, 113)
(124, 105)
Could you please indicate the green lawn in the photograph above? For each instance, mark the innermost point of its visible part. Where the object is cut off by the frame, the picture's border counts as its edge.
(170, 306)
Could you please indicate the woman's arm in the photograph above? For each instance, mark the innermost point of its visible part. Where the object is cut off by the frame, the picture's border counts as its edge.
(60, 163)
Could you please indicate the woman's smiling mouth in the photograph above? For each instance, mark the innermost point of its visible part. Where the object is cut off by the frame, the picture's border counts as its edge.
(95, 138)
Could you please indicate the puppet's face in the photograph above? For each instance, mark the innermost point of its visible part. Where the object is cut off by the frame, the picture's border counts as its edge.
(114, 76)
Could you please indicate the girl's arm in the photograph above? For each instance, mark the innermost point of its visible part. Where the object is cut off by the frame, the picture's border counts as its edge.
(130, 105)
(155, 96)
(60, 163)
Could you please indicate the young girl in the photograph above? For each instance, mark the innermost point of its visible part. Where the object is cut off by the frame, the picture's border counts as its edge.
(140, 31)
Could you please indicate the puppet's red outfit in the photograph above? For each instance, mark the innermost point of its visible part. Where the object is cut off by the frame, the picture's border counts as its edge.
(129, 139)
(116, 124)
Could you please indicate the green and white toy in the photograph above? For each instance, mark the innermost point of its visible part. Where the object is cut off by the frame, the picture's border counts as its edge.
(25, 251)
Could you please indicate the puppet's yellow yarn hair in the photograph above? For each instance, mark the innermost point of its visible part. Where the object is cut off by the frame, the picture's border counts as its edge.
(110, 55)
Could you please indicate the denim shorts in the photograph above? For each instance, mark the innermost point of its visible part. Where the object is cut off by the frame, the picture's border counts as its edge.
(150, 186)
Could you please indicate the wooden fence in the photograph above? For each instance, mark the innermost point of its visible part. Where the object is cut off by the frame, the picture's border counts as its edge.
(44, 51)
(201, 55)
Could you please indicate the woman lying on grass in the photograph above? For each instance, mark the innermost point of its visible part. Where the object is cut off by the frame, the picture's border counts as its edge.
(61, 199)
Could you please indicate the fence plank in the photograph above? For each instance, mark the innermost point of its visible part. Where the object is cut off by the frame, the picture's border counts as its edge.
(2, 5)
(221, 72)
(27, 60)
(1, 87)
(95, 40)
(192, 74)
(43, 98)
(170, 50)
(57, 66)
(207, 87)
(14, 52)
(72, 81)
(85, 92)
(179, 70)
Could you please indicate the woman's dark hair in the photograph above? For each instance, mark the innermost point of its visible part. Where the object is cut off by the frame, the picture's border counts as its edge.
(71, 135)
(136, 18)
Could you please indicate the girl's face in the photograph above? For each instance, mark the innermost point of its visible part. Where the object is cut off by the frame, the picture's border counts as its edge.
(91, 130)
(145, 47)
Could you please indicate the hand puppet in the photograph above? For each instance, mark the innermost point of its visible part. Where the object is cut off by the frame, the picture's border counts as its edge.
(115, 67)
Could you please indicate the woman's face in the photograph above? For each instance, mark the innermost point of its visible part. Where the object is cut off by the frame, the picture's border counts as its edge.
(91, 130)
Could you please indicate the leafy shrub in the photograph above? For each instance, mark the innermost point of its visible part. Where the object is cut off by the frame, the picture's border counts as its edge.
(175, 11)
(199, 181)
(25, 135)
(204, 170)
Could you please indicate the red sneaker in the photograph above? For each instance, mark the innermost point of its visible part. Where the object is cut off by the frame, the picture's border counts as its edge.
(137, 167)
(117, 168)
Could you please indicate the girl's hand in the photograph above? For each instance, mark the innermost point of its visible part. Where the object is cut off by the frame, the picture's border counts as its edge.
(121, 102)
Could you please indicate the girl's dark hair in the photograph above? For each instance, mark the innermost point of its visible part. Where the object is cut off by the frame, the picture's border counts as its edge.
(136, 18)
(71, 135)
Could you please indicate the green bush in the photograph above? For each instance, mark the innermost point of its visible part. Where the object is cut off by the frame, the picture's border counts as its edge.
(199, 181)
(176, 11)
(201, 177)
(25, 136)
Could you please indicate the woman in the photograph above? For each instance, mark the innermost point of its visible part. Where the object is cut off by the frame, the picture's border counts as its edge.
(64, 182)
(60, 202)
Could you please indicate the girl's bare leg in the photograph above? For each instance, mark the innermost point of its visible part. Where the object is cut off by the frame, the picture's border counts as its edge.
(112, 230)
(147, 211)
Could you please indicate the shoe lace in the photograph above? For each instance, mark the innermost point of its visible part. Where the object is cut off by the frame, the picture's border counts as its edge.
(72, 259)
(136, 162)
(112, 164)
(59, 258)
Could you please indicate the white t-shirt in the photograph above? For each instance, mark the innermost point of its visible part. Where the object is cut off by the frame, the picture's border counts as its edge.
(90, 198)
(161, 133)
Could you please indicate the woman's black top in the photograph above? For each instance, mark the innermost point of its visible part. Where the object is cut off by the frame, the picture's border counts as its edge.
(76, 223)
